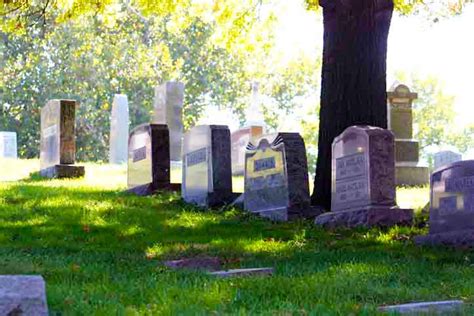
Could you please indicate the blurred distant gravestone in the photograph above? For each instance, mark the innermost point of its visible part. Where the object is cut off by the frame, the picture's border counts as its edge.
(119, 123)
(445, 157)
(8, 145)
(58, 140)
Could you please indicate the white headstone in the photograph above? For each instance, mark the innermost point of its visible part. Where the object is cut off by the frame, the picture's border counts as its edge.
(445, 157)
(119, 125)
(8, 145)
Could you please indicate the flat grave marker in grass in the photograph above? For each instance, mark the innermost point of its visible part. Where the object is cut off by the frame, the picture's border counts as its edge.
(276, 177)
(451, 206)
(58, 140)
(437, 308)
(207, 175)
(23, 295)
(242, 272)
(363, 181)
(119, 124)
(8, 145)
(149, 160)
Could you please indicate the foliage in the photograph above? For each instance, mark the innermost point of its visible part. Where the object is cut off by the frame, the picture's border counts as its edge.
(101, 250)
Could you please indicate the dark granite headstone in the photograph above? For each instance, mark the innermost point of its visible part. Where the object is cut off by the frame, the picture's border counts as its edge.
(207, 176)
(168, 108)
(452, 206)
(363, 180)
(149, 160)
(58, 140)
(408, 169)
(276, 177)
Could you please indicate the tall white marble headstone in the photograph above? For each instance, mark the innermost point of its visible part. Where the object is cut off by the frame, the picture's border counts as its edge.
(8, 145)
(119, 130)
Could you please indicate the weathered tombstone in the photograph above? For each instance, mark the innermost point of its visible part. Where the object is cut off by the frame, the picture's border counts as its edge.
(445, 157)
(363, 180)
(254, 128)
(207, 176)
(451, 206)
(119, 130)
(23, 295)
(149, 160)
(276, 177)
(168, 108)
(8, 145)
(409, 171)
(58, 140)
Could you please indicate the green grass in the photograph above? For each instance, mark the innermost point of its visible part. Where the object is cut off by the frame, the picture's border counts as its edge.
(100, 251)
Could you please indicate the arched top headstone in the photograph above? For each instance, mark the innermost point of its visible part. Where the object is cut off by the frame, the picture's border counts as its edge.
(400, 94)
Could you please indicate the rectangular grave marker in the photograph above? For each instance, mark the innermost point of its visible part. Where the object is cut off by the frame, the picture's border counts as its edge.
(23, 295)
(276, 177)
(8, 145)
(119, 122)
(207, 178)
(446, 157)
(58, 140)
(149, 160)
(363, 180)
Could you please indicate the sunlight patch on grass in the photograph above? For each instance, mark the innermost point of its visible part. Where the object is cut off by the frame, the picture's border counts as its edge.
(191, 220)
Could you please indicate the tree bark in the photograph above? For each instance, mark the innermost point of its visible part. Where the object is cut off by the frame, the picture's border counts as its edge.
(353, 87)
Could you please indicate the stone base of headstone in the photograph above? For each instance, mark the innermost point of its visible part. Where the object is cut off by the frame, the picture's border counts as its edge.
(458, 239)
(373, 217)
(23, 295)
(63, 171)
(149, 189)
(411, 174)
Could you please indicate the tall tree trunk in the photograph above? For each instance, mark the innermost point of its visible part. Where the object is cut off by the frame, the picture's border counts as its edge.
(353, 88)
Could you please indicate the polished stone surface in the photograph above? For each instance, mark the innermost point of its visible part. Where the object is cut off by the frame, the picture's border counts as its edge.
(58, 139)
(168, 108)
(276, 177)
(23, 295)
(452, 205)
(207, 175)
(8, 145)
(363, 180)
(119, 124)
(149, 160)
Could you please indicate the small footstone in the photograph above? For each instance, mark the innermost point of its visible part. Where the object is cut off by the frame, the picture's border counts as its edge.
(242, 272)
(440, 307)
(23, 295)
(204, 263)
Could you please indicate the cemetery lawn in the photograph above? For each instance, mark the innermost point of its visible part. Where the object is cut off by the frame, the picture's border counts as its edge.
(101, 250)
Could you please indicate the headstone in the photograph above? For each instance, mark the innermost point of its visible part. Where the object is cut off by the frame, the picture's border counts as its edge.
(409, 171)
(119, 130)
(451, 206)
(149, 160)
(207, 177)
(363, 180)
(429, 308)
(445, 157)
(199, 263)
(254, 128)
(58, 140)
(23, 295)
(168, 108)
(8, 145)
(276, 177)
(242, 272)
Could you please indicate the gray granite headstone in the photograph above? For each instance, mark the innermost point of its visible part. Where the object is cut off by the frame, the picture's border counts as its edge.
(207, 176)
(149, 160)
(445, 157)
(452, 206)
(363, 180)
(168, 108)
(58, 140)
(23, 295)
(119, 123)
(276, 177)
(8, 145)
(408, 171)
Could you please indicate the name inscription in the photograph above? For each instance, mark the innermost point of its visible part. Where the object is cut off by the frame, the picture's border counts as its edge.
(196, 157)
(460, 184)
(264, 164)
(139, 154)
(350, 166)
